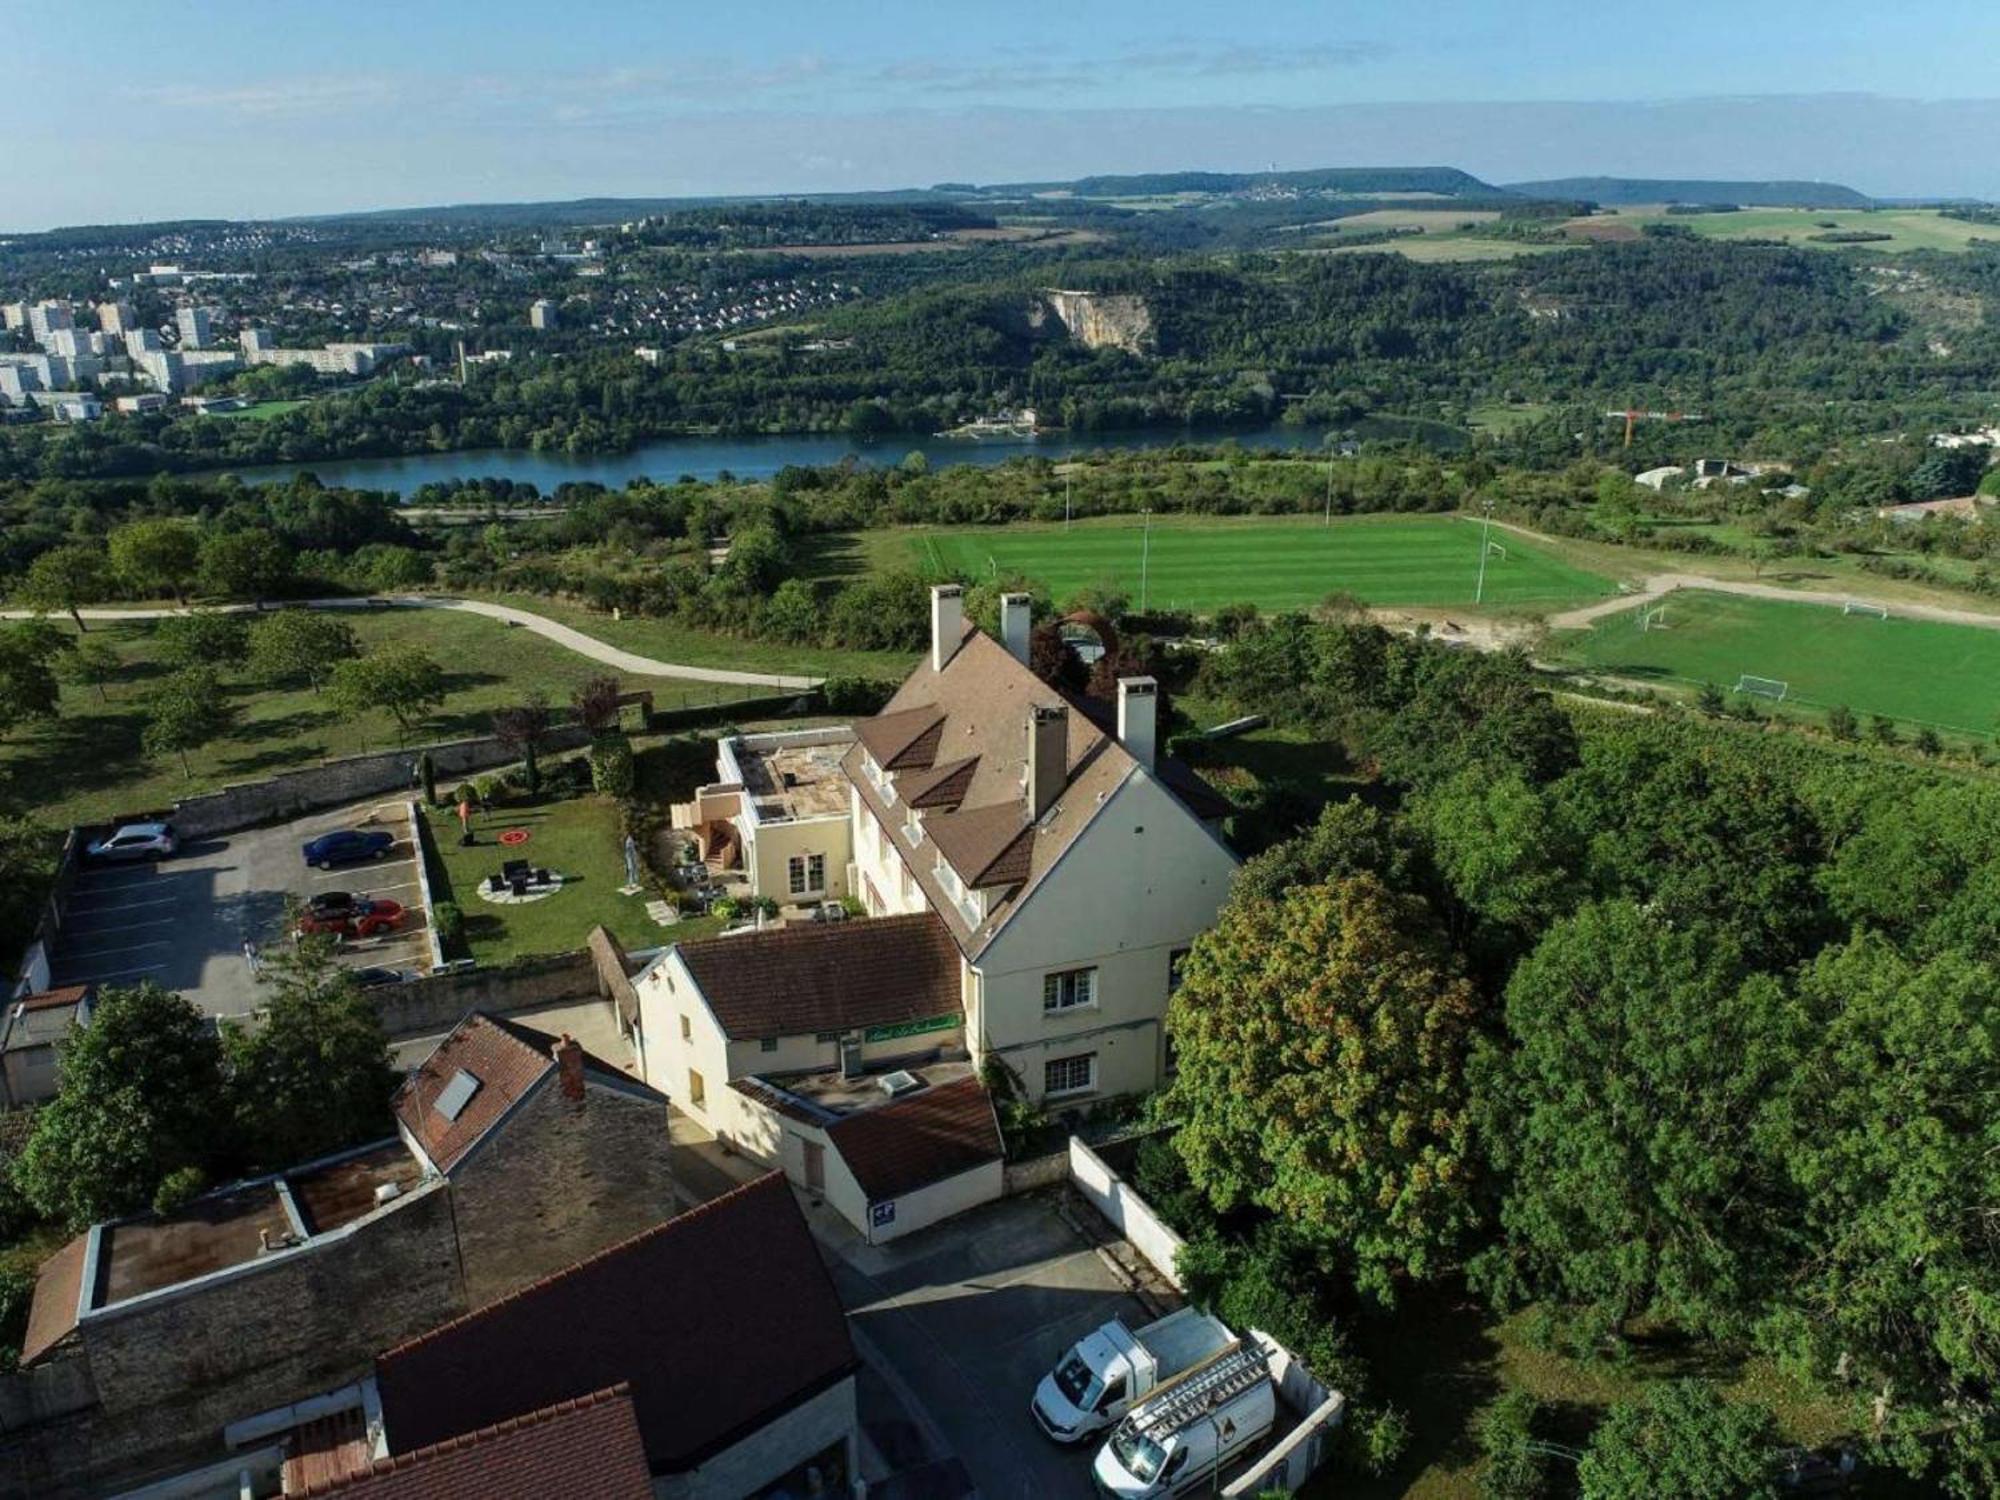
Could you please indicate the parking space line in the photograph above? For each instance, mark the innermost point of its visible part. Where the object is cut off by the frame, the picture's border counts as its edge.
(348, 873)
(123, 905)
(112, 974)
(74, 931)
(123, 948)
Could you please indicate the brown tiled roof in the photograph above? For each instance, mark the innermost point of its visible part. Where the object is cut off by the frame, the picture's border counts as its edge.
(986, 845)
(507, 1058)
(721, 1320)
(906, 738)
(585, 1449)
(836, 976)
(68, 994)
(58, 1288)
(327, 1449)
(940, 786)
(918, 1140)
(982, 700)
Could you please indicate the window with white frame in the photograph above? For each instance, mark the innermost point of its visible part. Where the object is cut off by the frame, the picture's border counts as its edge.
(1069, 1075)
(1066, 989)
(806, 873)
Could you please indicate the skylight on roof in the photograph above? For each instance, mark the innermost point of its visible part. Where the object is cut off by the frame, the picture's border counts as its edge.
(456, 1095)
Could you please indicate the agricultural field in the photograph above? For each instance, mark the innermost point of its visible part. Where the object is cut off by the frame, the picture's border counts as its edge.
(88, 763)
(1908, 228)
(1918, 672)
(1202, 563)
(1436, 249)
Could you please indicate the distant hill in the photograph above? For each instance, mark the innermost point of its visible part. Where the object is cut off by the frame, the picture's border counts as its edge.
(1616, 192)
(1444, 182)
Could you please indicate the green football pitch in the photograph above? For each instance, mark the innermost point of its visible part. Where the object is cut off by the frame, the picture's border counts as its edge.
(1202, 564)
(1918, 671)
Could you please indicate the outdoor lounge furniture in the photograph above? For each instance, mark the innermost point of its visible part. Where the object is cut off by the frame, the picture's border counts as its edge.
(513, 869)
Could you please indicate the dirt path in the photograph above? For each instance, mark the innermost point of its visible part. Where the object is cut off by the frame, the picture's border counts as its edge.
(1659, 585)
(554, 630)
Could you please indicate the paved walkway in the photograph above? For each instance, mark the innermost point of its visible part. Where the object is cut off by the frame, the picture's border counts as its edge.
(1660, 585)
(554, 630)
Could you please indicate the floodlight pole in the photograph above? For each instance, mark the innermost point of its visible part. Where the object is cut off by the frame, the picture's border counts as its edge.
(1329, 490)
(1068, 479)
(1485, 530)
(1145, 555)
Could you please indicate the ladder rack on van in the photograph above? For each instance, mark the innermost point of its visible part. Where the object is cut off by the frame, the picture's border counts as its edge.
(1202, 1390)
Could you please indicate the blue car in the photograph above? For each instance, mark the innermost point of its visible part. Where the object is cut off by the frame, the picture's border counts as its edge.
(346, 846)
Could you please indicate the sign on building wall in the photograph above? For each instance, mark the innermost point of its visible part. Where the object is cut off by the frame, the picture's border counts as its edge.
(881, 1215)
(945, 1022)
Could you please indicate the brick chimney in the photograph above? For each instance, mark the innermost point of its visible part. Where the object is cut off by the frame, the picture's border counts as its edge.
(1016, 621)
(1139, 718)
(569, 1063)
(947, 623)
(1048, 755)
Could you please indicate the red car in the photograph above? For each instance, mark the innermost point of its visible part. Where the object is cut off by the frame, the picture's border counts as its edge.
(355, 917)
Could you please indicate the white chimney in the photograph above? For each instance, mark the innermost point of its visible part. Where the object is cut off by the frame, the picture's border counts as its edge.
(1016, 617)
(1139, 717)
(947, 623)
(1048, 755)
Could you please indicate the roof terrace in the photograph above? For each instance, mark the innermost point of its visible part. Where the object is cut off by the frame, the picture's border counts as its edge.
(790, 777)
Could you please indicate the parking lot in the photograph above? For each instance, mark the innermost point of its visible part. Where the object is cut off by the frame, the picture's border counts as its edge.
(971, 1315)
(183, 923)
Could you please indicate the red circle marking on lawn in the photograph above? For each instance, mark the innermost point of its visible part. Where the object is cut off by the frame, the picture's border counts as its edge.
(514, 836)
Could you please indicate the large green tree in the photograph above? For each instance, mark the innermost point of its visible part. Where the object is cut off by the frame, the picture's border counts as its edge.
(1619, 1111)
(205, 638)
(251, 564)
(1684, 1440)
(404, 682)
(1321, 1039)
(157, 556)
(141, 1096)
(301, 645)
(28, 686)
(66, 578)
(313, 1076)
(188, 710)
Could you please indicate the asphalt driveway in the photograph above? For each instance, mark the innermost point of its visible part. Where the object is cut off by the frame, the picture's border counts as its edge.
(971, 1315)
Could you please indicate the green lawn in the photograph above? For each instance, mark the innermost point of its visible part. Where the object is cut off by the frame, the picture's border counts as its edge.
(1908, 228)
(578, 838)
(261, 411)
(1201, 563)
(1946, 676)
(88, 763)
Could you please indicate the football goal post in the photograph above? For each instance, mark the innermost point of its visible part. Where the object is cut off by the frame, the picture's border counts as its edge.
(1861, 607)
(1494, 549)
(1763, 687)
(1653, 619)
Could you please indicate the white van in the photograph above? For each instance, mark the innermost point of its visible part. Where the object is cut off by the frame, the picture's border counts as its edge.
(1183, 1436)
(1106, 1373)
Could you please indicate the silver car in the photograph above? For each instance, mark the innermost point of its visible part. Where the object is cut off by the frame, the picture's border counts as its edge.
(137, 841)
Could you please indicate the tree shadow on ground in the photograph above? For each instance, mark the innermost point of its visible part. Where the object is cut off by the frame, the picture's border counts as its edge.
(837, 554)
(1436, 1359)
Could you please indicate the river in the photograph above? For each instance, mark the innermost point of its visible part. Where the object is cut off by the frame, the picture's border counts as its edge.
(760, 457)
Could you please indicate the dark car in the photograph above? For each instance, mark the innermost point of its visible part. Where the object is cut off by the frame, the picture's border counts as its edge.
(374, 974)
(346, 846)
(364, 916)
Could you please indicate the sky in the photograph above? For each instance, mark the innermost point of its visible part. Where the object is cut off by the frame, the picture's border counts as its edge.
(132, 110)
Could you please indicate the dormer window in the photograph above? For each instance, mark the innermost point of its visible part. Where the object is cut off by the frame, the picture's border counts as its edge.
(913, 826)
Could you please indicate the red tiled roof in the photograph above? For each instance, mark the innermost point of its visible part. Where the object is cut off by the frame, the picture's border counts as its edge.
(918, 1140)
(68, 994)
(505, 1064)
(585, 1449)
(837, 976)
(58, 1287)
(721, 1320)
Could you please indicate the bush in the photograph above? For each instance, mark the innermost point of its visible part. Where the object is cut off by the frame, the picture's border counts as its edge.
(1374, 1439)
(611, 768)
(449, 923)
(1514, 1470)
(17, 1291)
(855, 695)
(179, 1188)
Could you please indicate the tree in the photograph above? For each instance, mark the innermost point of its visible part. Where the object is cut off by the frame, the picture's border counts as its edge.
(315, 1076)
(792, 613)
(595, 704)
(90, 663)
(28, 686)
(522, 730)
(1684, 1440)
(206, 638)
(1321, 1040)
(1620, 1119)
(1841, 723)
(1885, 1135)
(27, 864)
(186, 712)
(1051, 659)
(154, 557)
(66, 578)
(1882, 729)
(300, 645)
(249, 565)
(141, 1096)
(1927, 742)
(1502, 846)
(404, 682)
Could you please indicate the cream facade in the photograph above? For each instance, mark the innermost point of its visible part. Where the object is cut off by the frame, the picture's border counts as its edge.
(778, 809)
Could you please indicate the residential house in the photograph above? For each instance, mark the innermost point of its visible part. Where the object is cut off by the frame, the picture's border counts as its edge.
(1071, 862)
(148, 1338)
(723, 1324)
(36, 1026)
(778, 811)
